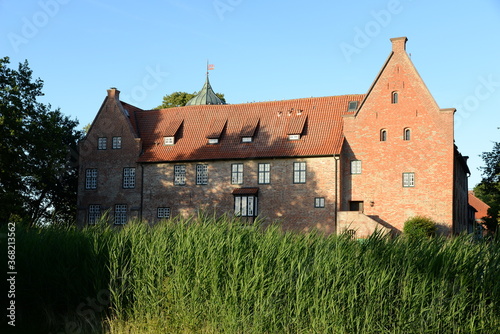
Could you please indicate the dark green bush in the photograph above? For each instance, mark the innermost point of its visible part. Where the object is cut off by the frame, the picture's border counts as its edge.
(419, 227)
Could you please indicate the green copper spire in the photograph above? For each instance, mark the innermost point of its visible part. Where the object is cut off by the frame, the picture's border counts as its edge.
(205, 96)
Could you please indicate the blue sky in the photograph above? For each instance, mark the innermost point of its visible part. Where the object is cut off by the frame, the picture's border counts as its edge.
(262, 50)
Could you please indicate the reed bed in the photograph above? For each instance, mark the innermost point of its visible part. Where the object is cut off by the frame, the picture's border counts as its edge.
(218, 275)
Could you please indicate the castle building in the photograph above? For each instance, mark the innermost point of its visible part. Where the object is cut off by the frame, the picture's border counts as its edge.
(356, 162)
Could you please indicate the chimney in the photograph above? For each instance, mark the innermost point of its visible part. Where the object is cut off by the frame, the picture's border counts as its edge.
(399, 44)
(114, 93)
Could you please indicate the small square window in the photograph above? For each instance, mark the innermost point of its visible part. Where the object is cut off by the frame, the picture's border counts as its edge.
(319, 202)
(163, 213)
(353, 105)
(408, 180)
(356, 167)
(168, 140)
(102, 143)
(117, 143)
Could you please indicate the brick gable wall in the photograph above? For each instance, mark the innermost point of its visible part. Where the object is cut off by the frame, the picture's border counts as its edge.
(111, 121)
(428, 154)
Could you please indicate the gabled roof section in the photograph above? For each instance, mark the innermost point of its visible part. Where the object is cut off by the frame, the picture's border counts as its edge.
(398, 52)
(270, 122)
(205, 96)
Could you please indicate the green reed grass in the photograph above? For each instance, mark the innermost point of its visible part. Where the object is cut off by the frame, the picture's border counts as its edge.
(220, 275)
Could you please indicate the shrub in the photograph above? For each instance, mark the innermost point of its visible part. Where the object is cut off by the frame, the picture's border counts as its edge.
(419, 227)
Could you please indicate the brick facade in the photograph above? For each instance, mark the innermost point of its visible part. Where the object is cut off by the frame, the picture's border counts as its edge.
(396, 128)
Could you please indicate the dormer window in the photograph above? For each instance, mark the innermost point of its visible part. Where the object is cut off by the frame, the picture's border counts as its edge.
(395, 97)
(353, 105)
(173, 132)
(213, 141)
(246, 139)
(170, 140)
(293, 137)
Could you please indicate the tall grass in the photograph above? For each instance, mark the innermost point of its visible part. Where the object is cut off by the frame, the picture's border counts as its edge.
(217, 275)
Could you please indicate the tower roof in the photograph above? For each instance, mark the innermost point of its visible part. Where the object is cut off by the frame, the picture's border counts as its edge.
(205, 96)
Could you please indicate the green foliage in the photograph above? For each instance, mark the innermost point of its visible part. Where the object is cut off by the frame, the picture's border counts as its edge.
(419, 227)
(489, 189)
(38, 174)
(179, 99)
(217, 275)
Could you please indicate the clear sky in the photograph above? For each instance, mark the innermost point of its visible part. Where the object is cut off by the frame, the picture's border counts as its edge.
(262, 50)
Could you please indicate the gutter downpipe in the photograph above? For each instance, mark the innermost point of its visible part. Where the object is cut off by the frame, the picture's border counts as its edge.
(337, 158)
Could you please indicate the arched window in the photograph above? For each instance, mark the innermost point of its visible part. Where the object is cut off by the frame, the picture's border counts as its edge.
(395, 97)
(407, 134)
(383, 135)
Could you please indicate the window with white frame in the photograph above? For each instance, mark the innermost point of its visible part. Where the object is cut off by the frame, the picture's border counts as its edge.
(201, 174)
(245, 206)
(299, 172)
(129, 177)
(246, 139)
(294, 137)
(120, 214)
(408, 179)
(237, 173)
(117, 143)
(94, 214)
(180, 175)
(356, 167)
(319, 202)
(213, 141)
(102, 143)
(163, 213)
(264, 173)
(91, 178)
(169, 140)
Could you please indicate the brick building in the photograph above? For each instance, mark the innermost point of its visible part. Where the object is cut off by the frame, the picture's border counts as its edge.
(360, 162)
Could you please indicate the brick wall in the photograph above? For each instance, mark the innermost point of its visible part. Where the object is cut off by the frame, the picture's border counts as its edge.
(111, 121)
(282, 200)
(428, 154)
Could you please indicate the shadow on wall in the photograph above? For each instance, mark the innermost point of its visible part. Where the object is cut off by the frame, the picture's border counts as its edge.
(291, 203)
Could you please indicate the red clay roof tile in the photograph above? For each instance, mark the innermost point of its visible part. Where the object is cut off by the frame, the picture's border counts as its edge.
(322, 133)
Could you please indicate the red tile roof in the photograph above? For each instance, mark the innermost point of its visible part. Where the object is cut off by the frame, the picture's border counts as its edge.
(319, 119)
(480, 206)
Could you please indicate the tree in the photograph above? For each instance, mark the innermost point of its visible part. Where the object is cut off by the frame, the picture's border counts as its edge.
(38, 159)
(179, 99)
(488, 190)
